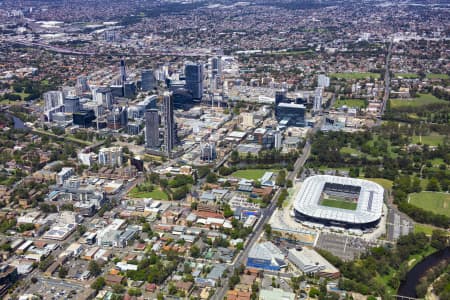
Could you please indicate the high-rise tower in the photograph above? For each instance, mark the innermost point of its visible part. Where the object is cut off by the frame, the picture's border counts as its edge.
(169, 123)
(152, 128)
(194, 79)
(123, 73)
(148, 80)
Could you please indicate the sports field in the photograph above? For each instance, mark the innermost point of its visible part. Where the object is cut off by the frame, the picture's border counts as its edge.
(406, 75)
(432, 140)
(339, 203)
(252, 174)
(421, 99)
(156, 194)
(438, 203)
(357, 103)
(437, 76)
(355, 75)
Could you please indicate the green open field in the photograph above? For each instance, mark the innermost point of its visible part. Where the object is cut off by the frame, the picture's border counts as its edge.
(351, 151)
(155, 194)
(9, 102)
(357, 103)
(406, 75)
(437, 76)
(421, 99)
(438, 203)
(385, 183)
(355, 75)
(339, 203)
(70, 137)
(432, 140)
(436, 162)
(427, 229)
(252, 174)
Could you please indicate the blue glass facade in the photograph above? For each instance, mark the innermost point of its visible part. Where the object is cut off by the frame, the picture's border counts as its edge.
(262, 264)
(292, 114)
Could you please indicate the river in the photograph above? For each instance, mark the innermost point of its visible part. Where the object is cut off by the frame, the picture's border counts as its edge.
(408, 287)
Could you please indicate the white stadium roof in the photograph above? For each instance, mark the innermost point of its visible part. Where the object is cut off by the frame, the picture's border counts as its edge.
(369, 207)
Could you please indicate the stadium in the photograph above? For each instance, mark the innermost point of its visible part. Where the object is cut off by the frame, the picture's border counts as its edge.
(339, 201)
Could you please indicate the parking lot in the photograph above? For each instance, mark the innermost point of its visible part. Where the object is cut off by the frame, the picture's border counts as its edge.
(397, 225)
(52, 289)
(343, 246)
(280, 282)
(76, 268)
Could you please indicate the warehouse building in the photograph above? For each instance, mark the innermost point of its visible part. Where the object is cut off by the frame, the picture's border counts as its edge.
(311, 262)
(266, 256)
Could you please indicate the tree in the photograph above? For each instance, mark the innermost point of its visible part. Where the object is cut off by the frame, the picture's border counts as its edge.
(227, 211)
(63, 271)
(172, 289)
(439, 239)
(94, 268)
(239, 246)
(224, 171)
(98, 284)
(268, 230)
(234, 156)
(195, 251)
(211, 178)
(118, 288)
(81, 229)
(433, 185)
(134, 292)
(313, 292)
(281, 178)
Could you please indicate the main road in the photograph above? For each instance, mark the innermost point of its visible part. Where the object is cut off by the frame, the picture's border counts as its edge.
(387, 80)
(266, 215)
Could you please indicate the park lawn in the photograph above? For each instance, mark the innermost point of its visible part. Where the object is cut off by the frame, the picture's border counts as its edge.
(291, 52)
(351, 151)
(384, 280)
(421, 99)
(427, 229)
(437, 76)
(155, 194)
(70, 137)
(406, 75)
(355, 75)
(9, 102)
(436, 162)
(385, 183)
(252, 174)
(438, 203)
(22, 95)
(431, 140)
(326, 168)
(339, 204)
(357, 103)
(423, 183)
